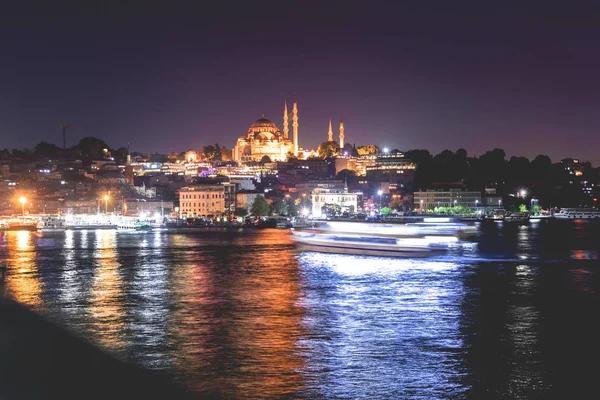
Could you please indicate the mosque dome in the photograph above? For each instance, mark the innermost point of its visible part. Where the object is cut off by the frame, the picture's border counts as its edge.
(263, 123)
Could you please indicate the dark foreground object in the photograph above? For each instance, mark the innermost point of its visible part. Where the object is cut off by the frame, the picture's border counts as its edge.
(39, 360)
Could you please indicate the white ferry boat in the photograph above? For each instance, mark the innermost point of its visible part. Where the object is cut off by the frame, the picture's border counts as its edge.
(577, 213)
(89, 222)
(51, 223)
(127, 224)
(374, 239)
(535, 217)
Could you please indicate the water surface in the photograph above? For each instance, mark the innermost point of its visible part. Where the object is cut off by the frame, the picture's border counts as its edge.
(243, 314)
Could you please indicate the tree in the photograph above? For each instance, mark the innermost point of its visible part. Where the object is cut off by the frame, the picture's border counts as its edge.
(461, 154)
(120, 154)
(385, 211)
(260, 207)
(279, 207)
(536, 208)
(240, 212)
(328, 149)
(45, 148)
(290, 156)
(211, 152)
(523, 208)
(396, 205)
(265, 160)
(292, 209)
(92, 147)
(368, 150)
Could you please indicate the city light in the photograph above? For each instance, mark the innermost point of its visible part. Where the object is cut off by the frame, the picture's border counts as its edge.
(106, 203)
(385, 150)
(523, 193)
(23, 200)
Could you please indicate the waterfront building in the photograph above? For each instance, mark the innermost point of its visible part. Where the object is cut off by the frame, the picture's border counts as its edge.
(329, 195)
(245, 199)
(145, 208)
(430, 199)
(201, 201)
(81, 207)
(306, 187)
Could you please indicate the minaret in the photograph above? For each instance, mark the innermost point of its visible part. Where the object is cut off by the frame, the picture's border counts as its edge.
(286, 125)
(341, 134)
(295, 126)
(330, 133)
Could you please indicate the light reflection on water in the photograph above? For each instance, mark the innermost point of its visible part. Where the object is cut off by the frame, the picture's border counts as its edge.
(244, 315)
(392, 323)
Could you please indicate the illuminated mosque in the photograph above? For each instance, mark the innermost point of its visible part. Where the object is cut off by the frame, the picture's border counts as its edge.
(265, 139)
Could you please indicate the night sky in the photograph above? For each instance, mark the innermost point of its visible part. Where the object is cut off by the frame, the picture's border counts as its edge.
(404, 76)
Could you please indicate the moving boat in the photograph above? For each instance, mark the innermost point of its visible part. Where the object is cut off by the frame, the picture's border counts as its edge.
(577, 213)
(375, 239)
(51, 223)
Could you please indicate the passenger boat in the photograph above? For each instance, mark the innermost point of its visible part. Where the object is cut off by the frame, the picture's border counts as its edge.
(577, 213)
(89, 222)
(132, 224)
(373, 240)
(51, 223)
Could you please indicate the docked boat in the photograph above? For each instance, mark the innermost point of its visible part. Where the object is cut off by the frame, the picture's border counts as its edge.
(541, 216)
(22, 223)
(283, 223)
(577, 213)
(126, 224)
(89, 222)
(373, 239)
(516, 217)
(51, 223)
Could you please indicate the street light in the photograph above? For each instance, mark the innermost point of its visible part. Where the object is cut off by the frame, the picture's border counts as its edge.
(523, 193)
(380, 192)
(23, 200)
(106, 204)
